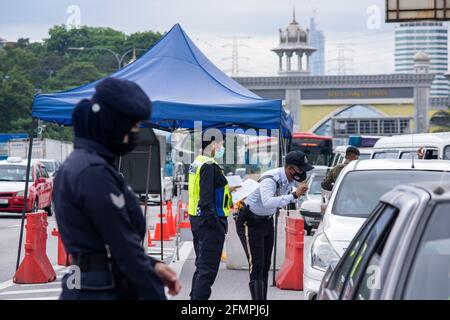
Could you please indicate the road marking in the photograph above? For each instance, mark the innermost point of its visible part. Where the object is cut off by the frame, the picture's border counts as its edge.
(177, 265)
(9, 283)
(7, 293)
(6, 284)
(37, 298)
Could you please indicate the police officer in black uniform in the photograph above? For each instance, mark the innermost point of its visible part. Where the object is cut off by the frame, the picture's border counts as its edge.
(98, 215)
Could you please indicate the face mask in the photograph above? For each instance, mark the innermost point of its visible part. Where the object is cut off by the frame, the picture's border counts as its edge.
(219, 153)
(299, 177)
(122, 148)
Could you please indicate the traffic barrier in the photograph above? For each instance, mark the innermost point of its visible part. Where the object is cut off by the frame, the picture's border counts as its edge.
(149, 239)
(162, 231)
(35, 267)
(170, 219)
(64, 259)
(185, 225)
(290, 275)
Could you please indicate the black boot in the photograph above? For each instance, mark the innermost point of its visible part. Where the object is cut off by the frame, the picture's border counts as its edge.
(257, 289)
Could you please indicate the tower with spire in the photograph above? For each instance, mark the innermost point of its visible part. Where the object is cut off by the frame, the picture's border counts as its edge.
(294, 47)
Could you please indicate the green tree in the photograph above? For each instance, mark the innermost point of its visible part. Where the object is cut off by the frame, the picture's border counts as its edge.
(75, 74)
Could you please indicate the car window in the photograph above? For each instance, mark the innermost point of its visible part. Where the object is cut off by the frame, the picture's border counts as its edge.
(49, 166)
(408, 155)
(339, 276)
(316, 185)
(429, 278)
(374, 242)
(386, 154)
(431, 154)
(44, 172)
(38, 172)
(14, 173)
(359, 191)
(447, 153)
(364, 156)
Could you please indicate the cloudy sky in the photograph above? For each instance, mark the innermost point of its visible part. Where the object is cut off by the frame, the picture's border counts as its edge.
(357, 26)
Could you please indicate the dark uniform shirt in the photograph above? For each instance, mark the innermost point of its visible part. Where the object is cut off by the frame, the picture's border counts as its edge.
(95, 208)
(332, 176)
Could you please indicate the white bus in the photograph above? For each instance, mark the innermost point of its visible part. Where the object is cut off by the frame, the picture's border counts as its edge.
(435, 146)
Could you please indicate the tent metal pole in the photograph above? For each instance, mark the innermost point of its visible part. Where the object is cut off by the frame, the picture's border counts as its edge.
(146, 184)
(25, 196)
(280, 159)
(158, 160)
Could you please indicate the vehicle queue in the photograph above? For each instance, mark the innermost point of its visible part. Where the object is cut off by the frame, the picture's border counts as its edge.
(367, 222)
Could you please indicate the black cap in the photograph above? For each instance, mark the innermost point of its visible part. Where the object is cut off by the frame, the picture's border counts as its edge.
(299, 159)
(125, 97)
(352, 149)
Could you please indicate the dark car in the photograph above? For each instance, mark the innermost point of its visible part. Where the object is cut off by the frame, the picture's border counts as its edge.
(401, 252)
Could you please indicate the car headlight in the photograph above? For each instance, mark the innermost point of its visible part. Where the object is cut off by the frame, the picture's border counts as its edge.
(322, 253)
(20, 193)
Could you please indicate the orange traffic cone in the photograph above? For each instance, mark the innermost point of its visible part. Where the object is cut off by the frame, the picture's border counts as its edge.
(149, 237)
(162, 232)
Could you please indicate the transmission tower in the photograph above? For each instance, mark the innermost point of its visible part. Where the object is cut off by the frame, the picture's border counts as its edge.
(344, 60)
(236, 43)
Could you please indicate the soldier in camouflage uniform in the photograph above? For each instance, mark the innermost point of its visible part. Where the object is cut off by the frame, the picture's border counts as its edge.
(352, 153)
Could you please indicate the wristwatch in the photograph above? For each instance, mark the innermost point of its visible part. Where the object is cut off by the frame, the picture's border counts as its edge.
(295, 195)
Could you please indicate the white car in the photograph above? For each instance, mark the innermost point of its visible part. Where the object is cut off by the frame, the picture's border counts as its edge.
(50, 165)
(354, 196)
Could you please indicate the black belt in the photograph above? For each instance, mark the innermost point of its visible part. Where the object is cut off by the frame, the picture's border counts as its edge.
(92, 261)
(254, 216)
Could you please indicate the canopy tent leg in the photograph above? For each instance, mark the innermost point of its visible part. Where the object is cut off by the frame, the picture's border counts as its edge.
(25, 196)
(280, 164)
(149, 160)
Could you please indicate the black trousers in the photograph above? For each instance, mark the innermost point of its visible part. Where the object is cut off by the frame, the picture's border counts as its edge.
(257, 238)
(208, 245)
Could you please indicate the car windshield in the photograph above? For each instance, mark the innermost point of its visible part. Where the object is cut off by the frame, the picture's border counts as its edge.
(316, 188)
(364, 156)
(359, 191)
(386, 155)
(13, 173)
(49, 166)
(447, 153)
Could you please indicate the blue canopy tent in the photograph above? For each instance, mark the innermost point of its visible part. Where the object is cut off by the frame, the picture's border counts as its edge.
(184, 87)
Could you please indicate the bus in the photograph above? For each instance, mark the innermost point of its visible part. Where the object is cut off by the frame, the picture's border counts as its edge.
(319, 149)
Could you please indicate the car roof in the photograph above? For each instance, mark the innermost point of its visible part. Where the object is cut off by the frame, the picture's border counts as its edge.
(413, 140)
(342, 149)
(398, 164)
(437, 190)
(22, 162)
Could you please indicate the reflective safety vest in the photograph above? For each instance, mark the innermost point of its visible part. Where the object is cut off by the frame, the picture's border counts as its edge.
(222, 196)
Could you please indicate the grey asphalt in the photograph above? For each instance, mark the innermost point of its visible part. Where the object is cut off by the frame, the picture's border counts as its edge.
(229, 285)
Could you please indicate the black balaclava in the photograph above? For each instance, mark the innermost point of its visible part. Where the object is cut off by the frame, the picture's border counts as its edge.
(102, 125)
(109, 116)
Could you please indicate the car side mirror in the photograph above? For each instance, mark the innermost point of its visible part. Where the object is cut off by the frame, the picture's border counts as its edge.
(311, 208)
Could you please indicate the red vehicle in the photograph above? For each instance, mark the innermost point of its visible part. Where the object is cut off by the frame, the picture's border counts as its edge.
(319, 149)
(12, 186)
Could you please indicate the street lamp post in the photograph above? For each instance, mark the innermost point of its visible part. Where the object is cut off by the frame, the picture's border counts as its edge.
(119, 58)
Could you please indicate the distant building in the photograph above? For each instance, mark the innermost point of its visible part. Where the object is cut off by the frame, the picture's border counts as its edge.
(295, 46)
(430, 37)
(317, 40)
(2, 43)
